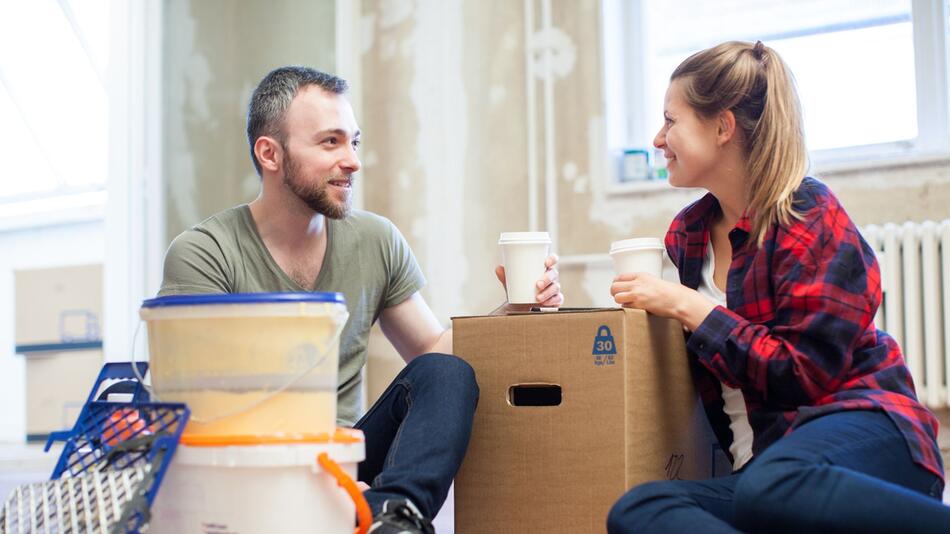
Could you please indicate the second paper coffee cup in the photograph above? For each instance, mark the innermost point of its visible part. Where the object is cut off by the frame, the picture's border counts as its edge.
(523, 255)
(641, 255)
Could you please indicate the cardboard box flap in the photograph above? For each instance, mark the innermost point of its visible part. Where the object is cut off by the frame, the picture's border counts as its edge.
(539, 312)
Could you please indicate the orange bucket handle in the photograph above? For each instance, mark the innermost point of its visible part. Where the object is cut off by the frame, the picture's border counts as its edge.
(363, 513)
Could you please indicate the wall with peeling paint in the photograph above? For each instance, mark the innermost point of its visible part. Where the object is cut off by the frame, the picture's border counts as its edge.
(446, 126)
(214, 54)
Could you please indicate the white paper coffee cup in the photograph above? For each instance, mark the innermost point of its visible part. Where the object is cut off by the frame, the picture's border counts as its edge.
(523, 255)
(641, 255)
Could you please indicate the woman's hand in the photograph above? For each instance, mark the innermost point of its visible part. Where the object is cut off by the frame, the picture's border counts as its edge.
(667, 299)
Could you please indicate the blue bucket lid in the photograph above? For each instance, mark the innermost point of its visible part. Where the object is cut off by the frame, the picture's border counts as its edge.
(243, 298)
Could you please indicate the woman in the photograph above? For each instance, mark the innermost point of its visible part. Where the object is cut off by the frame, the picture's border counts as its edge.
(779, 291)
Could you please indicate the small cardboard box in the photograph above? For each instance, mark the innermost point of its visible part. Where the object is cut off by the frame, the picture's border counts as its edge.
(58, 331)
(57, 384)
(576, 407)
(58, 305)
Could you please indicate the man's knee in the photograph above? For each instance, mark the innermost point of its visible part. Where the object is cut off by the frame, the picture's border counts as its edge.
(632, 511)
(448, 371)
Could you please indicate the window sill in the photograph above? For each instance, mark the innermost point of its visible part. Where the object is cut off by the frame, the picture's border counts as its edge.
(643, 186)
(830, 165)
(53, 211)
(869, 161)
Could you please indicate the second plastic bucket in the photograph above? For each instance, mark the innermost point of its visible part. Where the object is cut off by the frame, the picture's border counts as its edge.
(230, 484)
(261, 363)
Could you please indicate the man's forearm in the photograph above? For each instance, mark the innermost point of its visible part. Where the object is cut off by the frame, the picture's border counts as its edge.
(444, 343)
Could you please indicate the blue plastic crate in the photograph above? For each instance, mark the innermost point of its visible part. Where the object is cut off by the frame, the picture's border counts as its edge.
(111, 466)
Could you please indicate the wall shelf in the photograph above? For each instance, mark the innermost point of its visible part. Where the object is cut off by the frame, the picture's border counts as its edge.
(34, 348)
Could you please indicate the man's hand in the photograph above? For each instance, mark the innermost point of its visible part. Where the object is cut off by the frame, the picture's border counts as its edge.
(547, 289)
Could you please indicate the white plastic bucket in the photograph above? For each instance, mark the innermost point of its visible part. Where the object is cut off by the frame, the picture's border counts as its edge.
(263, 363)
(259, 488)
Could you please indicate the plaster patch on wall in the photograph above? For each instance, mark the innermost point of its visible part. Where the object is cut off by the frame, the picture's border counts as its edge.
(911, 193)
(188, 104)
(562, 48)
(198, 77)
(247, 89)
(370, 159)
(603, 208)
(569, 171)
(497, 95)
(387, 47)
(595, 282)
(418, 229)
(577, 182)
(367, 33)
(405, 48)
(580, 184)
(250, 185)
(909, 177)
(393, 12)
(403, 180)
(438, 94)
(510, 41)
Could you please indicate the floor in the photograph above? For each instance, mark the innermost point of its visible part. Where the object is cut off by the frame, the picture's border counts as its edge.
(444, 523)
(24, 464)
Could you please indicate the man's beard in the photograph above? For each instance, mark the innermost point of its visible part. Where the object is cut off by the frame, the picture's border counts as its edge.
(315, 195)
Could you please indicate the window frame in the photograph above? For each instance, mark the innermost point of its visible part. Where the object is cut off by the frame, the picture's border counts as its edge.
(65, 204)
(622, 27)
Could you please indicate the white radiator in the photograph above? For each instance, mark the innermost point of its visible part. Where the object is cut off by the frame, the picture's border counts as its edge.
(915, 277)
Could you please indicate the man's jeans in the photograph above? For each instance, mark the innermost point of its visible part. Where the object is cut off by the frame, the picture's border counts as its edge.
(844, 472)
(418, 431)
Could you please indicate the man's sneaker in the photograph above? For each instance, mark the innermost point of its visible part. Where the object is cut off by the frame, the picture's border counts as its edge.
(400, 517)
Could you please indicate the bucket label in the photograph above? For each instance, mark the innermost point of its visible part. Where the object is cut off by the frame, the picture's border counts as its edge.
(605, 350)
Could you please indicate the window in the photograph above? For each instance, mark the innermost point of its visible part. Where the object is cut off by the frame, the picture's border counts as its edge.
(53, 104)
(871, 74)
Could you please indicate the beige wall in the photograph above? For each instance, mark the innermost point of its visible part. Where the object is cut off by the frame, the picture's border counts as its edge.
(214, 53)
(444, 112)
(445, 121)
(444, 127)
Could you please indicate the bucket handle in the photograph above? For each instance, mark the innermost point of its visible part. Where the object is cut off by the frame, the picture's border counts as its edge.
(363, 513)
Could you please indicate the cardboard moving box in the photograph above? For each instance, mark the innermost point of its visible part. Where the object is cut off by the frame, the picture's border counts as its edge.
(58, 319)
(576, 407)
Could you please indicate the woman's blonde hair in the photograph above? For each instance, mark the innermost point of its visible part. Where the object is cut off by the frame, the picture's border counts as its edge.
(753, 82)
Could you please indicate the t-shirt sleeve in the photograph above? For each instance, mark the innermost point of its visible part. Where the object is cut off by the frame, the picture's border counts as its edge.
(405, 275)
(195, 264)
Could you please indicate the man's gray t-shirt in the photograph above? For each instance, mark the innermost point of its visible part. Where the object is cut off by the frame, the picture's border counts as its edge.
(367, 260)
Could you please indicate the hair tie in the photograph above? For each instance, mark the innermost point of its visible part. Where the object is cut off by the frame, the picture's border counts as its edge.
(758, 51)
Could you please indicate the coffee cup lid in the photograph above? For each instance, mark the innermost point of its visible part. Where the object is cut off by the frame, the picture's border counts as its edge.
(524, 237)
(640, 243)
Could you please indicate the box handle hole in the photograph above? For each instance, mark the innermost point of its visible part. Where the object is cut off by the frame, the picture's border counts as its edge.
(534, 395)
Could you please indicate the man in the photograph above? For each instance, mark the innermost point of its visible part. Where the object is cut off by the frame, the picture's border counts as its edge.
(300, 234)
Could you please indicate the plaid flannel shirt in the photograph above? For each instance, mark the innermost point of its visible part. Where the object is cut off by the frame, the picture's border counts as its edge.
(798, 336)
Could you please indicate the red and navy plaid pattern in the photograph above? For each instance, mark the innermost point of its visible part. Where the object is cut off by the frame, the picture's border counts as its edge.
(797, 335)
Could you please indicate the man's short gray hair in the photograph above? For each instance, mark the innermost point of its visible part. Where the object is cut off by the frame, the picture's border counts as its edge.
(272, 97)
